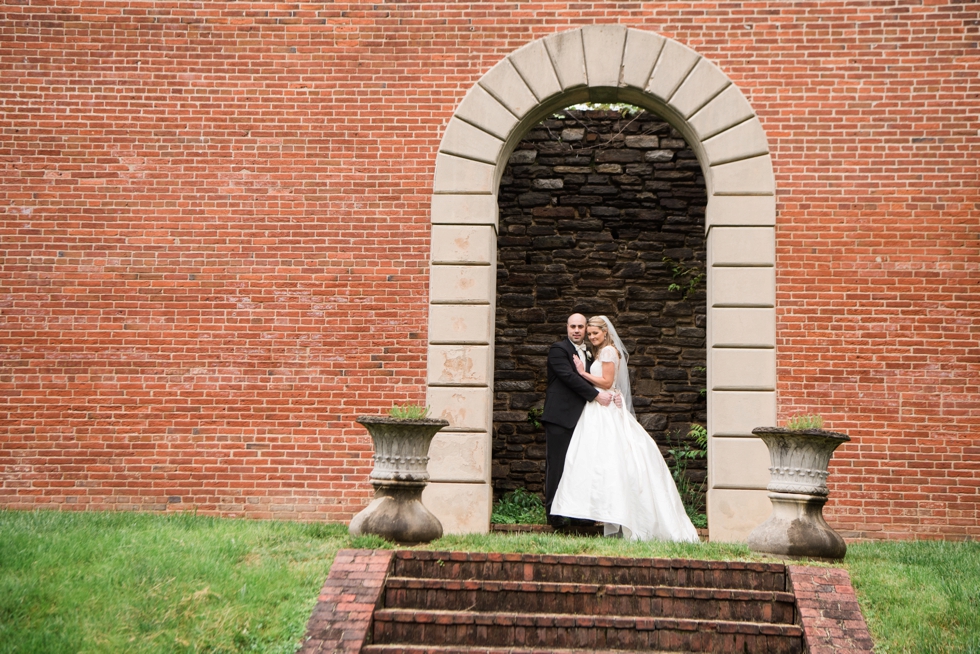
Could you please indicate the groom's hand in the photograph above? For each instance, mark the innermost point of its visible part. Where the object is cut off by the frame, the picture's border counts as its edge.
(604, 398)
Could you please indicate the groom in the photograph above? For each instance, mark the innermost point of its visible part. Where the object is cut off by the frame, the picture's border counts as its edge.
(564, 401)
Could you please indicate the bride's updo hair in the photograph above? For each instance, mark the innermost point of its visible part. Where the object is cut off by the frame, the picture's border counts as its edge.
(596, 321)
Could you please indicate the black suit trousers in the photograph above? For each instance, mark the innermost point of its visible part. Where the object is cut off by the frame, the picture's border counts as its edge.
(557, 439)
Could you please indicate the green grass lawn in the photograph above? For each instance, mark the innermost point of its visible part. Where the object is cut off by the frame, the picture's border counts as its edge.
(130, 582)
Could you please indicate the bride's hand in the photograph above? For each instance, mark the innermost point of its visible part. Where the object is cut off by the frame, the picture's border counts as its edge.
(579, 364)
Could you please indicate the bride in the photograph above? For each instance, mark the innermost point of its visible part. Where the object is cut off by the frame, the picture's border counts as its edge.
(614, 472)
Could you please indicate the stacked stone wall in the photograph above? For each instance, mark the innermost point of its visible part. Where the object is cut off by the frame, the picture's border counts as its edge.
(599, 210)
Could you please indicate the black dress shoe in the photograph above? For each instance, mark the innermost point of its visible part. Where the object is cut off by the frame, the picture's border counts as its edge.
(559, 521)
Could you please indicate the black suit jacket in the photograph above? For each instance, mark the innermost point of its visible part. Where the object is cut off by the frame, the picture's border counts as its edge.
(567, 390)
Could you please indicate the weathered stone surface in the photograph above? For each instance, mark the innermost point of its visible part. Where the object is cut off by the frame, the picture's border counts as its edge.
(645, 141)
(522, 157)
(401, 457)
(586, 228)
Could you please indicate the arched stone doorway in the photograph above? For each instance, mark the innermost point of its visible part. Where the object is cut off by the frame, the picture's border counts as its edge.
(607, 63)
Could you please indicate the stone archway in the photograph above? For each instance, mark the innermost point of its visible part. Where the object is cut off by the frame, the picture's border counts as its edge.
(606, 63)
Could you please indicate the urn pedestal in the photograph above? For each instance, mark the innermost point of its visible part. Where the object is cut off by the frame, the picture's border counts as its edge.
(401, 457)
(798, 491)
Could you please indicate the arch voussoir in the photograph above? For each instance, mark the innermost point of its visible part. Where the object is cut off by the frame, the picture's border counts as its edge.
(640, 56)
(603, 47)
(533, 63)
(505, 84)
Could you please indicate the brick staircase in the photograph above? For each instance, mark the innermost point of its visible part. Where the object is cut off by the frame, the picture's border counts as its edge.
(442, 602)
(379, 601)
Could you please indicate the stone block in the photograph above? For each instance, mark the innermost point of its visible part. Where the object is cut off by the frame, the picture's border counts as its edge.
(725, 110)
(675, 62)
(642, 50)
(742, 327)
(747, 176)
(522, 157)
(460, 365)
(644, 141)
(737, 413)
(743, 141)
(460, 457)
(704, 83)
(461, 508)
(604, 45)
(505, 84)
(740, 210)
(742, 287)
(463, 244)
(469, 142)
(461, 284)
(458, 175)
(461, 323)
(568, 56)
(534, 65)
(738, 463)
(742, 246)
(741, 369)
(483, 110)
(734, 513)
(464, 210)
(466, 408)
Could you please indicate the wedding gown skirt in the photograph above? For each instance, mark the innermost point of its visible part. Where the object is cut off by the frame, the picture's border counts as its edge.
(614, 473)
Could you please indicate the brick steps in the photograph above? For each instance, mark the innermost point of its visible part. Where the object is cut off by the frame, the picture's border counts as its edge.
(590, 570)
(500, 629)
(590, 599)
(369, 604)
(440, 649)
(520, 603)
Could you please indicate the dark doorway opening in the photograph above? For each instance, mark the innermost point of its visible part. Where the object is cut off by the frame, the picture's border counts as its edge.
(601, 212)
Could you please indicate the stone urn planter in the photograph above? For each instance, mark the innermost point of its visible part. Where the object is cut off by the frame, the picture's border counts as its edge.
(798, 491)
(401, 457)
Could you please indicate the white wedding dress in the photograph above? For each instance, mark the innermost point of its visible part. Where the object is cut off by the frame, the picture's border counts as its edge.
(614, 473)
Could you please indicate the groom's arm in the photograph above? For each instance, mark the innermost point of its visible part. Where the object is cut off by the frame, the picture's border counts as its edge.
(562, 367)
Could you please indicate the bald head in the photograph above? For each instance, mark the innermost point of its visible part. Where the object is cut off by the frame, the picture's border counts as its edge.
(576, 328)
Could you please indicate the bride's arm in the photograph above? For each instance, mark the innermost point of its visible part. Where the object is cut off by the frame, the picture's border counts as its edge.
(608, 374)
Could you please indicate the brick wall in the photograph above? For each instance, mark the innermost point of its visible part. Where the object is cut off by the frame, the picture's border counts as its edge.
(215, 230)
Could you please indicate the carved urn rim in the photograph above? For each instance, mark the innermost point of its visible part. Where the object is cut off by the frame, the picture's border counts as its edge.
(388, 420)
(822, 433)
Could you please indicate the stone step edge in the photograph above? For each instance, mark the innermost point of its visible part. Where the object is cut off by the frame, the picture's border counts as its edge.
(681, 592)
(574, 621)
(404, 648)
(586, 560)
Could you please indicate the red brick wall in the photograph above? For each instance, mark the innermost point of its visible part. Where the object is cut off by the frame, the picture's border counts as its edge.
(215, 232)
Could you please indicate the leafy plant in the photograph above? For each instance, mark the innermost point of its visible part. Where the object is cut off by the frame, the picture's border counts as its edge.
(408, 412)
(687, 278)
(693, 446)
(534, 417)
(805, 421)
(519, 507)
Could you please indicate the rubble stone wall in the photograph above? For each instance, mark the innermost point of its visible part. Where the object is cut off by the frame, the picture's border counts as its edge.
(601, 212)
